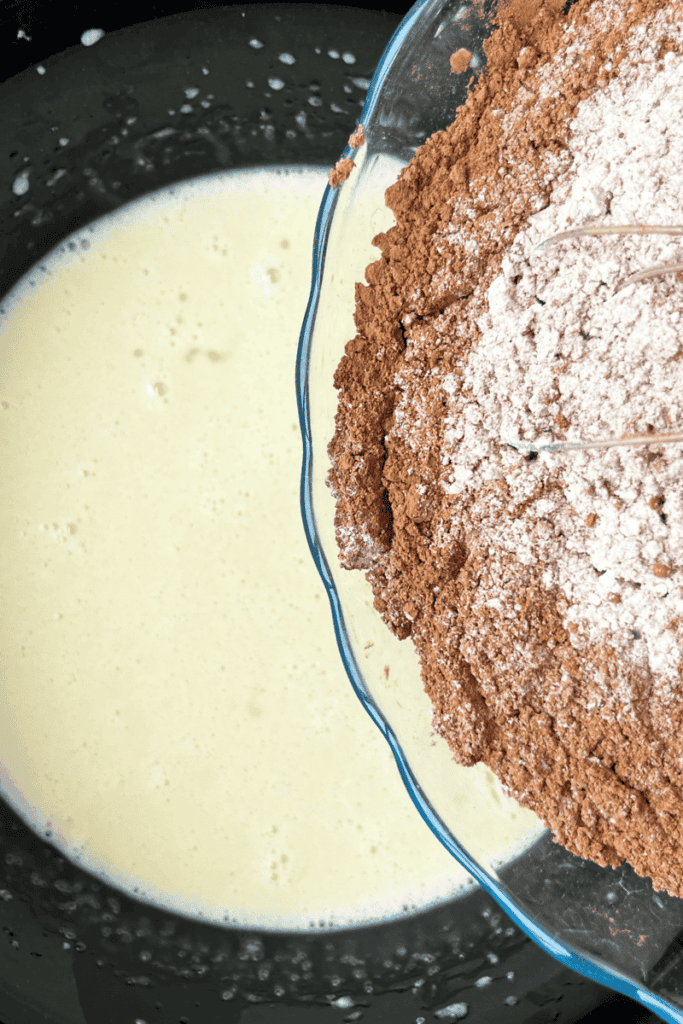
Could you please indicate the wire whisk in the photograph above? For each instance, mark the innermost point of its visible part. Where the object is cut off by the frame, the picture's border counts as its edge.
(663, 437)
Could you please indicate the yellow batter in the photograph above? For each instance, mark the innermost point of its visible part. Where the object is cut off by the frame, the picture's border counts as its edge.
(173, 708)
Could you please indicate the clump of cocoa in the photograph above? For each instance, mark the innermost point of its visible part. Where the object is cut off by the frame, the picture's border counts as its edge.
(460, 61)
(340, 172)
(357, 138)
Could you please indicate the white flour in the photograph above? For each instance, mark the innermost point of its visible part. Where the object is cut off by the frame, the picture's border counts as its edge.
(562, 356)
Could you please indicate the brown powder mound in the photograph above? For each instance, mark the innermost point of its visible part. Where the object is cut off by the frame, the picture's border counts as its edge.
(460, 61)
(357, 138)
(340, 172)
(507, 685)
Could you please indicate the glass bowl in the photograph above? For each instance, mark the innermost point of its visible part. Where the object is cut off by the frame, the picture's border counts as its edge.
(74, 949)
(608, 924)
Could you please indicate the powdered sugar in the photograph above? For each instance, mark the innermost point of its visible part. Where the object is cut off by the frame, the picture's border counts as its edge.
(562, 357)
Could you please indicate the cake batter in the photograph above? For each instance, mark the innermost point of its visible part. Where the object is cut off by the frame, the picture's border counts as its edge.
(174, 713)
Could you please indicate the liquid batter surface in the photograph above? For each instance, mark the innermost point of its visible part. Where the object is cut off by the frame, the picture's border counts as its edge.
(173, 709)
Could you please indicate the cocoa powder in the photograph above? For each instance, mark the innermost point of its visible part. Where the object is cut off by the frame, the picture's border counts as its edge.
(357, 138)
(340, 172)
(460, 61)
(507, 684)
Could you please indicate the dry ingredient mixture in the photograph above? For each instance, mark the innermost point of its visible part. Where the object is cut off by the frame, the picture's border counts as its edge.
(342, 169)
(357, 138)
(543, 593)
(340, 172)
(460, 61)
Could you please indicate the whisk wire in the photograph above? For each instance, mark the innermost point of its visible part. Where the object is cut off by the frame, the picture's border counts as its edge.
(640, 275)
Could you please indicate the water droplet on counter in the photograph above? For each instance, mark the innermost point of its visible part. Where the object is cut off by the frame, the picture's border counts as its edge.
(20, 185)
(92, 36)
(456, 1011)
